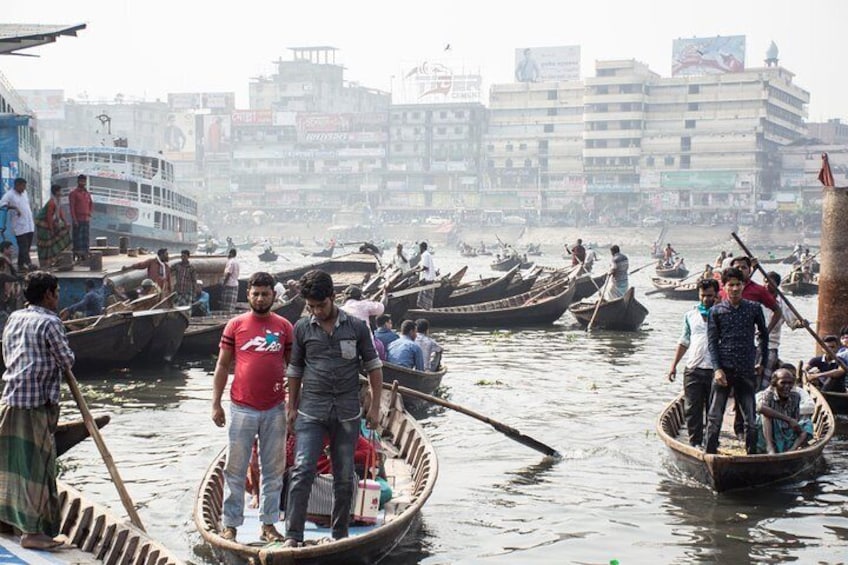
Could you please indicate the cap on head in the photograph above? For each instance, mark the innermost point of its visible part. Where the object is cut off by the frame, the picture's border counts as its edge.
(199, 282)
(147, 283)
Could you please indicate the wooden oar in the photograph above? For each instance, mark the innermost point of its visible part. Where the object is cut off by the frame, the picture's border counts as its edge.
(797, 314)
(508, 431)
(598, 303)
(637, 269)
(91, 426)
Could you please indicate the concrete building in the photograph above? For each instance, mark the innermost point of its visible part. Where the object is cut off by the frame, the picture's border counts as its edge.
(832, 131)
(20, 144)
(311, 143)
(534, 149)
(435, 158)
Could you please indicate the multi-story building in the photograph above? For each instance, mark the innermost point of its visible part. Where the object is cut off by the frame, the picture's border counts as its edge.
(311, 143)
(20, 144)
(435, 158)
(832, 131)
(711, 142)
(534, 149)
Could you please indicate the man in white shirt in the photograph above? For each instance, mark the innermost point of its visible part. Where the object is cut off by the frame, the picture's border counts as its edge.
(23, 225)
(428, 275)
(400, 261)
(698, 375)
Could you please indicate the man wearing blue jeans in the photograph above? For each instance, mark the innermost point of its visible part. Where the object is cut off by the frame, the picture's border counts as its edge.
(260, 344)
(730, 334)
(323, 377)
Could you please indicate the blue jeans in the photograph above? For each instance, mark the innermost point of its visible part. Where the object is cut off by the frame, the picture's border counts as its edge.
(744, 385)
(309, 441)
(245, 424)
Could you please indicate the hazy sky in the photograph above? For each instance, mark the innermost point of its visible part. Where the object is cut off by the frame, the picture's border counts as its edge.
(151, 47)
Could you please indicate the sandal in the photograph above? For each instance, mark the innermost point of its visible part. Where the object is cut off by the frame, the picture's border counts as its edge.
(269, 533)
(291, 542)
(229, 533)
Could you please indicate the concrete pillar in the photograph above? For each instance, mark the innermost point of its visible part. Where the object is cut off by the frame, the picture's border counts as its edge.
(833, 277)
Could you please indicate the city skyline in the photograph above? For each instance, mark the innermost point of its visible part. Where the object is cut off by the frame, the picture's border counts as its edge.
(171, 47)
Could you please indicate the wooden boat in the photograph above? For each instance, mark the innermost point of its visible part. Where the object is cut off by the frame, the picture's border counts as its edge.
(328, 252)
(171, 324)
(528, 309)
(586, 285)
(723, 471)
(422, 381)
(672, 272)
(412, 469)
(267, 256)
(492, 289)
(799, 287)
(203, 334)
(68, 434)
(676, 290)
(90, 532)
(621, 314)
(108, 340)
(838, 401)
(507, 263)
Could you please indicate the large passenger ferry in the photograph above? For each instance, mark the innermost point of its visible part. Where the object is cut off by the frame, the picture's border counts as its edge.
(133, 194)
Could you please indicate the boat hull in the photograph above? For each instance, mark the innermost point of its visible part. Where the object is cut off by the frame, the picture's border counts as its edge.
(422, 381)
(732, 472)
(622, 314)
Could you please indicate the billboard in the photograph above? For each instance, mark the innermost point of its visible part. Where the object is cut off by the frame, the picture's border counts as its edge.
(540, 64)
(216, 135)
(179, 136)
(47, 104)
(433, 82)
(708, 55)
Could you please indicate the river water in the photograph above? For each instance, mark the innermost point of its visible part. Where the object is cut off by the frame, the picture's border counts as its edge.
(615, 495)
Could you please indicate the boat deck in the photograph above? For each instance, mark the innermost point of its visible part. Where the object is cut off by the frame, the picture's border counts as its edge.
(11, 553)
(400, 479)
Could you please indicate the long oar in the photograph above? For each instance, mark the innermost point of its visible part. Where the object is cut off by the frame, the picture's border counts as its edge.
(508, 431)
(91, 426)
(598, 304)
(798, 315)
(637, 269)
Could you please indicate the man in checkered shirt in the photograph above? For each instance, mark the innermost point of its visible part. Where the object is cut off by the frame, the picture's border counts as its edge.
(36, 353)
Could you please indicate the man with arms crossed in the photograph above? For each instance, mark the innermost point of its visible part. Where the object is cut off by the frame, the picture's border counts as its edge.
(260, 343)
(329, 347)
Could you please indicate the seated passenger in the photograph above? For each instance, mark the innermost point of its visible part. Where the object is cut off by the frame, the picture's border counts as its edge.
(91, 304)
(405, 351)
(384, 331)
(833, 380)
(200, 306)
(778, 415)
(431, 350)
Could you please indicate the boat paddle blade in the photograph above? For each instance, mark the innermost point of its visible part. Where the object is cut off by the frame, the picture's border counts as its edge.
(514, 434)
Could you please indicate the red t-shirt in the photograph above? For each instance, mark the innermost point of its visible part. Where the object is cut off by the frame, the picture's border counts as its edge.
(259, 345)
(756, 293)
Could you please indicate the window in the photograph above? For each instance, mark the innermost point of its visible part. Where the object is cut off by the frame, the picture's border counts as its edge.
(441, 131)
(528, 163)
(669, 161)
(684, 161)
(459, 114)
(543, 145)
(490, 147)
(508, 164)
(690, 124)
(522, 147)
(601, 90)
(694, 107)
(508, 147)
(649, 161)
(694, 89)
(416, 115)
(443, 115)
(552, 111)
(549, 128)
(552, 95)
(457, 129)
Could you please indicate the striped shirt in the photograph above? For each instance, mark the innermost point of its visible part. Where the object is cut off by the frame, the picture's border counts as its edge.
(36, 351)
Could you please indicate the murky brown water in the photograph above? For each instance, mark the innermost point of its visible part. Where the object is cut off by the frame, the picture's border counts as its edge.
(615, 495)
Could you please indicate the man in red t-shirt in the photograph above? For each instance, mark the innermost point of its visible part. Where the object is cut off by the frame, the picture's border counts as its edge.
(81, 206)
(260, 344)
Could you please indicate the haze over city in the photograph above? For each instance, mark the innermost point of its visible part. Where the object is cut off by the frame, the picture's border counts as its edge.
(145, 50)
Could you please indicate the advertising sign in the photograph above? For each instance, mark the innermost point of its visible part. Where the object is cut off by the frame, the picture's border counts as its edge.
(699, 180)
(179, 136)
(199, 100)
(216, 134)
(540, 64)
(253, 117)
(432, 82)
(47, 104)
(708, 55)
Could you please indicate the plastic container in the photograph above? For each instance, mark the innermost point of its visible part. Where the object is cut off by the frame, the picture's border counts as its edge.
(366, 504)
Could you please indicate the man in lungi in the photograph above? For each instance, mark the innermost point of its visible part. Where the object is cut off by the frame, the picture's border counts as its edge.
(36, 353)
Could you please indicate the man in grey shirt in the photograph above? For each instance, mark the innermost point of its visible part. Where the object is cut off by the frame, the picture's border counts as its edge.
(323, 379)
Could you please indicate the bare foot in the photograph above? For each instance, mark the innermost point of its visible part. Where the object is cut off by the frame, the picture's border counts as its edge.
(254, 501)
(39, 542)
